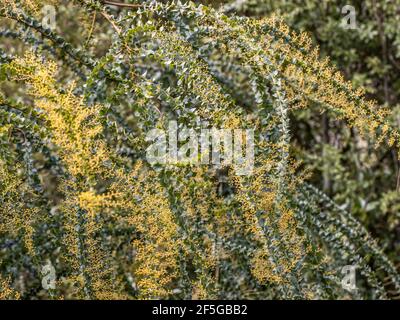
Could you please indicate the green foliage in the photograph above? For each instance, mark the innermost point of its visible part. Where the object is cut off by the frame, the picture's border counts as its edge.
(76, 188)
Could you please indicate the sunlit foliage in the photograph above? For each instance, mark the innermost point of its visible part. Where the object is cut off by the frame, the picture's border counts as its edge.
(76, 189)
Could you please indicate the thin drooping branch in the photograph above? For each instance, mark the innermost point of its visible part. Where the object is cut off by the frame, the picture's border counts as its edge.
(122, 4)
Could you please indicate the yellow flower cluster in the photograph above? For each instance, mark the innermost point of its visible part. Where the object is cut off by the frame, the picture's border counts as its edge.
(76, 131)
